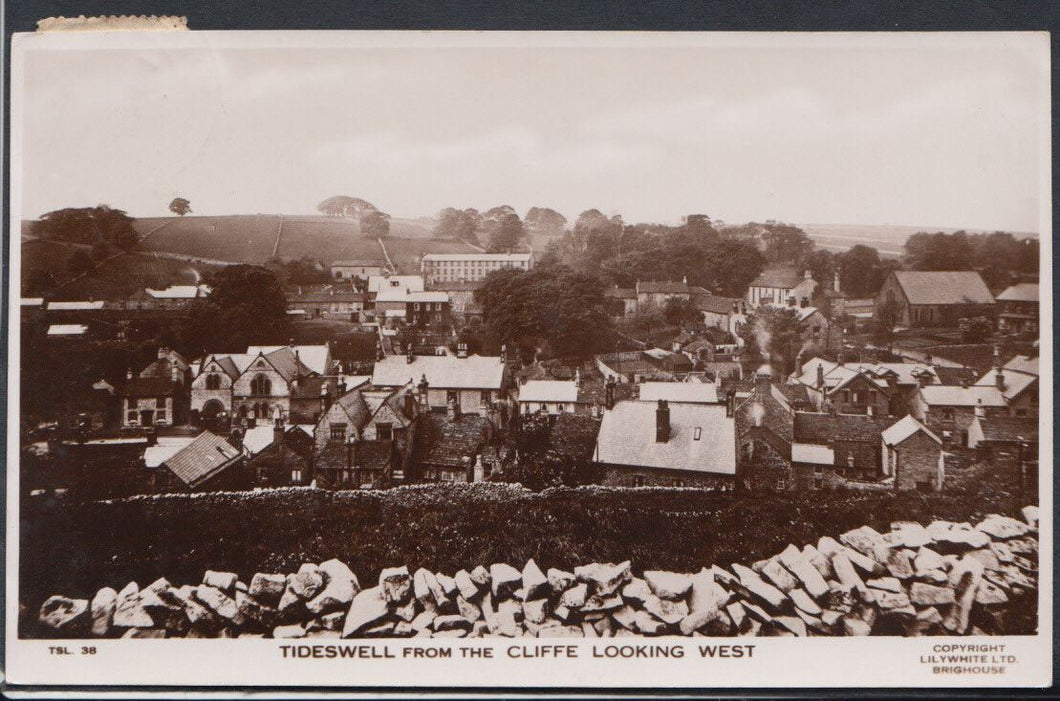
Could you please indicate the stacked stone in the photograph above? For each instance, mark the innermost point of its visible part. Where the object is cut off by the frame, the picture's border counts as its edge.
(943, 579)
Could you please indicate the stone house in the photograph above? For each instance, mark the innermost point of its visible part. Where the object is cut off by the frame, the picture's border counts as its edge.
(448, 445)
(364, 439)
(285, 461)
(725, 313)
(763, 436)
(662, 444)
(1004, 435)
(823, 379)
(781, 286)
(364, 269)
(461, 293)
(1017, 381)
(830, 450)
(475, 382)
(913, 456)
(621, 301)
(1018, 308)
(657, 294)
(948, 411)
(329, 303)
(935, 298)
(158, 395)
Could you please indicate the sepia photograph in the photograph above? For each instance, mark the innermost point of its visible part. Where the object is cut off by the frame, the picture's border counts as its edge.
(326, 342)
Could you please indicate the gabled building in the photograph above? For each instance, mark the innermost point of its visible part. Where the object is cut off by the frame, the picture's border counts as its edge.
(209, 462)
(621, 301)
(256, 385)
(329, 303)
(475, 382)
(782, 286)
(661, 444)
(365, 437)
(934, 298)
(725, 313)
(886, 387)
(763, 418)
(448, 445)
(658, 293)
(948, 411)
(158, 395)
(913, 456)
(1018, 308)
(1017, 381)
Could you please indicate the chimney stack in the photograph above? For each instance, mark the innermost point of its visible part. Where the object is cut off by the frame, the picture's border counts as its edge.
(762, 381)
(162, 352)
(609, 392)
(820, 376)
(461, 350)
(409, 358)
(278, 430)
(174, 372)
(422, 388)
(662, 422)
(128, 373)
(452, 409)
(235, 438)
(980, 412)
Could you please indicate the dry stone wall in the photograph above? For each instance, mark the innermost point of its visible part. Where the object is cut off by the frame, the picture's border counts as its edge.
(945, 579)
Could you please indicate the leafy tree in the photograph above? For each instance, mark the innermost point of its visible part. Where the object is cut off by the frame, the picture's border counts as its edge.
(731, 265)
(246, 307)
(506, 234)
(303, 271)
(345, 206)
(786, 243)
(860, 271)
(884, 319)
(543, 220)
(79, 262)
(939, 251)
(375, 224)
(546, 307)
(180, 206)
(459, 224)
(87, 225)
(679, 311)
(975, 329)
(100, 251)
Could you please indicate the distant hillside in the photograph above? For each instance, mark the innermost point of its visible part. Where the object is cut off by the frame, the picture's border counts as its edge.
(886, 238)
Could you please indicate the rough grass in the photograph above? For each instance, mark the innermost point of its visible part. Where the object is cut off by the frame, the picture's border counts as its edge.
(77, 548)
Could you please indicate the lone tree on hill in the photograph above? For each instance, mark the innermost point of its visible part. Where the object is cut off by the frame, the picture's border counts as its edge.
(180, 206)
(345, 206)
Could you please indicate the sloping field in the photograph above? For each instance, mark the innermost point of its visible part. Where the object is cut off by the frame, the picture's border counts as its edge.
(241, 239)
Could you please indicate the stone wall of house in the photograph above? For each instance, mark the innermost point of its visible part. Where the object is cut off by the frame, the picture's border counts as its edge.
(918, 462)
(625, 476)
(943, 579)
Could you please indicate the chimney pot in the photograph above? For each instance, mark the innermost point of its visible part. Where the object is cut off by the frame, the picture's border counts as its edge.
(662, 422)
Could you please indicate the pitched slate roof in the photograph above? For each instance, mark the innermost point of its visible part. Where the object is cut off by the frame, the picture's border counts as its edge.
(715, 304)
(574, 435)
(667, 287)
(620, 292)
(548, 391)
(943, 287)
(372, 455)
(948, 395)
(1021, 292)
(834, 373)
(445, 442)
(1015, 382)
(692, 392)
(202, 459)
(1010, 429)
(824, 429)
(442, 372)
(627, 437)
(784, 278)
(903, 429)
(1022, 363)
(313, 358)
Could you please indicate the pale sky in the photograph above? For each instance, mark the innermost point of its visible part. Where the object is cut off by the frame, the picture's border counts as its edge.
(934, 135)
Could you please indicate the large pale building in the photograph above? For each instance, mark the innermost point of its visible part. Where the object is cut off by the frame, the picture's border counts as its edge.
(470, 267)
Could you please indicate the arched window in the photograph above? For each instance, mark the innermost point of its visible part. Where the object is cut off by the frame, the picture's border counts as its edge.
(261, 385)
(213, 381)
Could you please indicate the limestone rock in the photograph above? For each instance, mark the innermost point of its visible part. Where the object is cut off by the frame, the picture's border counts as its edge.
(534, 582)
(339, 588)
(505, 580)
(267, 588)
(923, 594)
(70, 617)
(759, 588)
(396, 584)
(809, 577)
(1002, 527)
(575, 597)
(863, 539)
(368, 608)
(885, 583)
(425, 587)
(899, 564)
(225, 581)
(637, 591)
(102, 608)
(128, 612)
(776, 574)
(560, 580)
(536, 610)
(604, 579)
(803, 602)
(481, 576)
(1030, 515)
(307, 582)
(465, 585)
(218, 602)
(989, 594)
(448, 585)
(444, 623)
(288, 631)
(668, 585)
